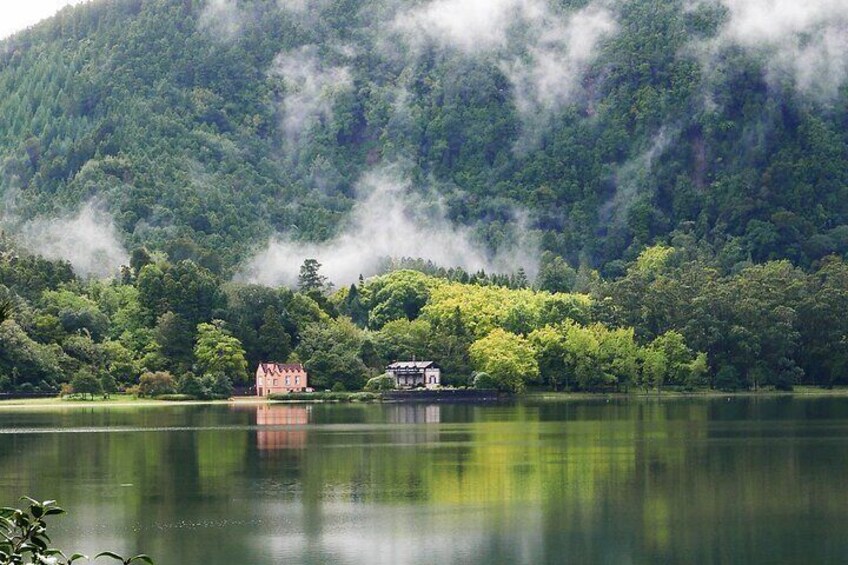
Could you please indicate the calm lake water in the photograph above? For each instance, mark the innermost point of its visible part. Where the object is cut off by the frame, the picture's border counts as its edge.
(711, 481)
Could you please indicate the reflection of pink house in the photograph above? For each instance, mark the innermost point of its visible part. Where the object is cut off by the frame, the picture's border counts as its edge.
(277, 378)
(278, 418)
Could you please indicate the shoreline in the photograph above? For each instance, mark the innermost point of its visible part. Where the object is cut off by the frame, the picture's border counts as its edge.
(534, 396)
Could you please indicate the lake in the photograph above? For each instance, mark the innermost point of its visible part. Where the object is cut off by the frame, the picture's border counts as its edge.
(721, 480)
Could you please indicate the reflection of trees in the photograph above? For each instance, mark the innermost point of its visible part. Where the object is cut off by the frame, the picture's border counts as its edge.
(591, 480)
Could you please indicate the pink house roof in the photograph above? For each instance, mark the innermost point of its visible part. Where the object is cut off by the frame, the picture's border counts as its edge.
(281, 367)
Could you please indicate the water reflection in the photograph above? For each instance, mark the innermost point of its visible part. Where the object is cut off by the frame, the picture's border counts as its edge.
(270, 418)
(745, 480)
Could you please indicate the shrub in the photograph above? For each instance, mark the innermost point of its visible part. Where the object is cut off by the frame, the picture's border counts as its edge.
(338, 386)
(219, 385)
(25, 539)
(191, 385)
(485, 381)
(156, 384)
(383, 382)
(176, 397)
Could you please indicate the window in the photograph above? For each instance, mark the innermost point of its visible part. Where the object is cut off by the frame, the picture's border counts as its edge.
(275, 382)
(297, 380)
(288, 381)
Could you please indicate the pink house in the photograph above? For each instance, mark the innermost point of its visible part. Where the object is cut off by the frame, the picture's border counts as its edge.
(280, 378)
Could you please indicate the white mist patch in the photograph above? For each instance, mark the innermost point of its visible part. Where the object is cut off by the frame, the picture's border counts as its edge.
(808, 40)
(470, 25)
(544, 52)
(549, 75)
(388, 222)
(222, 19)
(88, 240)
(632, 176)
(310, 87)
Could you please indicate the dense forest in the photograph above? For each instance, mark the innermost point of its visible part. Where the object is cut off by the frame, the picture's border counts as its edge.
(680, 168)
(673, 321)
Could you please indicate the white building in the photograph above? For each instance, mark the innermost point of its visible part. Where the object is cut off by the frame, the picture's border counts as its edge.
(412, 374)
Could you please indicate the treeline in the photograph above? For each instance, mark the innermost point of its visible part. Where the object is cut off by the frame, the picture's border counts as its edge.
(674, 320)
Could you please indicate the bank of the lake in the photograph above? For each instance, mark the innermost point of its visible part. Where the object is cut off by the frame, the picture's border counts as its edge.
(446, 395)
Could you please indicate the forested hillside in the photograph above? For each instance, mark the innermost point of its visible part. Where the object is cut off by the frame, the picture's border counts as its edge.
(203, 129)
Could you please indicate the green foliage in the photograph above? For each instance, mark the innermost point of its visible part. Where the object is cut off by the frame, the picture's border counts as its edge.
(396, 296)
(25, 538)
(25, 361)
(508, 358)
(485, 381)
(155, 384)
(310, 280)
(84, 382)
(380, 383)
(330, 352)
(192, 386)
(218, 352)
(108, 384)
(555, 275)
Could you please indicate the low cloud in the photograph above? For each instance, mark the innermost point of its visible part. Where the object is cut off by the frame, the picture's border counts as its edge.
(473, 26)
(549, 76)
(544, 52)
(222, 19)
(389, 221)
(805, 41)
(88, 240)
(633, 177)
(310, 89)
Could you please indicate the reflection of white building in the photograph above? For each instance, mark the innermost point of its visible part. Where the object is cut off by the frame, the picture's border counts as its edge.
(412, 374)
(414, 413)
(414, 423)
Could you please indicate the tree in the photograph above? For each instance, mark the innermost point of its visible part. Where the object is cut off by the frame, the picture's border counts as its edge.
(108, 384)
(191, 385)
(549, 346)
(403, 339)
(331, 353)
(84, 382)
(274, 341)
(175, 337)
(310, 280)
(397, 295)
(508, 358)
(218, 352)
(352, 307)
(555, 275)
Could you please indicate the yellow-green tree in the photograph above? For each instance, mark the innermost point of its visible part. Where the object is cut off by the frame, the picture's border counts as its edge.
(218, 352)
(507, 357)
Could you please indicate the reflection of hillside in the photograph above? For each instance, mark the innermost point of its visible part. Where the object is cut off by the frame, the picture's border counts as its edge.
(276, 416)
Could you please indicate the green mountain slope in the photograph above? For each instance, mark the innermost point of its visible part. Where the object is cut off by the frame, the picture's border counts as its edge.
(206, 128)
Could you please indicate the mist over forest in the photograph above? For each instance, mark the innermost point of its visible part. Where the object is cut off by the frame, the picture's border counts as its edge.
(246, 135)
